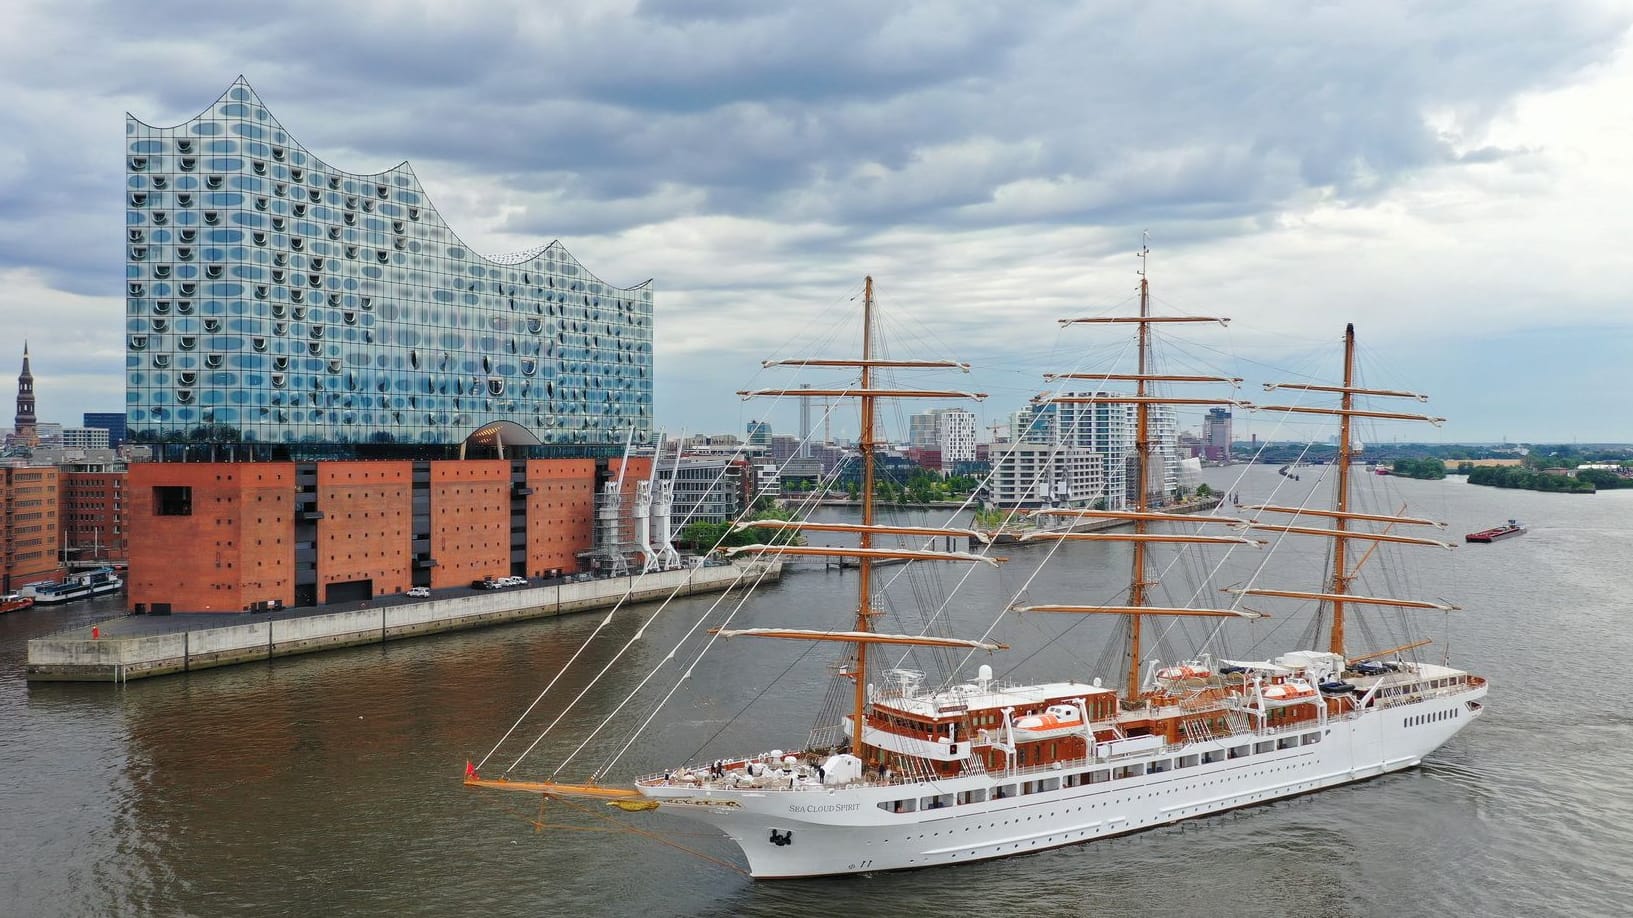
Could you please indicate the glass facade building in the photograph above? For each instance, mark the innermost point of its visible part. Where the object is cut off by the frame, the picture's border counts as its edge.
(276, 301)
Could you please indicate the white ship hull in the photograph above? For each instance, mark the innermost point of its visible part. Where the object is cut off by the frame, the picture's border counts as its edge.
(70, 594)
(816, 831)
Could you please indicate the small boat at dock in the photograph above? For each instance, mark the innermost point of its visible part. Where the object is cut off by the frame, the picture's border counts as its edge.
(13, 602)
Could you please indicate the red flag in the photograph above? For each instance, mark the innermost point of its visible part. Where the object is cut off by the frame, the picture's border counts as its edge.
(470, 770)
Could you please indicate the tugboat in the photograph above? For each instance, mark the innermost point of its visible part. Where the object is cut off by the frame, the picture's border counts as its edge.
(1511, 528)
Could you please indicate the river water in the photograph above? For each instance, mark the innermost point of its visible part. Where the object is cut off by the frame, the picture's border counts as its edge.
(330, 784)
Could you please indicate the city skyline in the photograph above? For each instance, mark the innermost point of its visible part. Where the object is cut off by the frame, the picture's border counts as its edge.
(1446, 179)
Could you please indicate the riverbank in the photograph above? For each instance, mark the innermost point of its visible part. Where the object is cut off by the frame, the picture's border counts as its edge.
(138, 647)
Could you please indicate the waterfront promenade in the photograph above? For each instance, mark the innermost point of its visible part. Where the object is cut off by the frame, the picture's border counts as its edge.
(140, 646)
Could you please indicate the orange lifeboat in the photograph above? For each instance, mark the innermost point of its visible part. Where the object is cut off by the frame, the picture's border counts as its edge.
(1057, 720)
(1183, 671)
(1285, 693)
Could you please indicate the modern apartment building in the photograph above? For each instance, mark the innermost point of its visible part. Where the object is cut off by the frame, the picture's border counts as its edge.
(1107, 429)
(947, 432)
(1030, 475)
(84, 438)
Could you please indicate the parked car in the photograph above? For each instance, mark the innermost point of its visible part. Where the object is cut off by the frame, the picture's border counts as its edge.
(420, 592)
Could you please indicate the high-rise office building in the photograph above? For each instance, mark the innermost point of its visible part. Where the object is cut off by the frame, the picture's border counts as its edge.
(112, 422)
(1216, 434)
(295, 309)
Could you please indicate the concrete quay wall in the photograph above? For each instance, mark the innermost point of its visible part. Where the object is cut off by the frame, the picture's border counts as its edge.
(77, 657)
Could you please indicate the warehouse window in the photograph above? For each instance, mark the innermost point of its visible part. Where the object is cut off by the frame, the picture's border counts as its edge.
(171, 500)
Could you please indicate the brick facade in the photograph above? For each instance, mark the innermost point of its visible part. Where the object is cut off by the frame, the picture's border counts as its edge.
(221, 536)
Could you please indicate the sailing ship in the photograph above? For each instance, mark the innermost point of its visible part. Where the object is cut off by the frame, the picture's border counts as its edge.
(919, 773)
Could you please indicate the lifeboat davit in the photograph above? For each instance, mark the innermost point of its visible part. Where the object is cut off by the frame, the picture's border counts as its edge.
(1057, 720)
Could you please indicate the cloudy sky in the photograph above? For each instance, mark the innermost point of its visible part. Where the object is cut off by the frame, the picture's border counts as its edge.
(1456, 179)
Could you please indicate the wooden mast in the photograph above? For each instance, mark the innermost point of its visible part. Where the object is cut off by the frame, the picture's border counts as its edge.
(1142, 504)
(864, 604)
(1338, 592)
(1340, 575)
(863, 633)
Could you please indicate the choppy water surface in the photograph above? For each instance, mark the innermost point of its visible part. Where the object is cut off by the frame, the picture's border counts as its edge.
(331, 784)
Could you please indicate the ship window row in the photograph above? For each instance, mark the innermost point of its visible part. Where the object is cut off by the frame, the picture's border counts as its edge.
(1418, 720)
(1097, 776)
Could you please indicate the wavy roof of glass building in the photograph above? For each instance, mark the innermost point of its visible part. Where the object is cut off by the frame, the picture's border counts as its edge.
(272, 298)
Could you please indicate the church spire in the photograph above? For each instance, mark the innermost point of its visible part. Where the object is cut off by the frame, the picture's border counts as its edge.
(26, 425)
